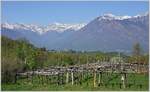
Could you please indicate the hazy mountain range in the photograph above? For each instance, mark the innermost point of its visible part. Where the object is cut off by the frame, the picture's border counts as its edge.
(105, 33)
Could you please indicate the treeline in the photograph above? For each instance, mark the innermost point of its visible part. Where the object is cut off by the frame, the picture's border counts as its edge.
(20, 55)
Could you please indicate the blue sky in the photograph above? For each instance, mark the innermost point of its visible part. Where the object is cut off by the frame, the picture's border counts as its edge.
(43, 13)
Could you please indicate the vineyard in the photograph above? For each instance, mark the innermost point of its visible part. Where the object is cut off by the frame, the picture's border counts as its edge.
(31, 68)
(96, 75)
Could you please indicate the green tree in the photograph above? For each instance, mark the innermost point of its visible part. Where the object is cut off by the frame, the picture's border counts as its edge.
(31, 59)
(136, 49)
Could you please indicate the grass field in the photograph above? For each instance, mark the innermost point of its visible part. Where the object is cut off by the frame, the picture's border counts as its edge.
(111, 82)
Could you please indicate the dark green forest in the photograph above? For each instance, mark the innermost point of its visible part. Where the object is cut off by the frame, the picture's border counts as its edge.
(20, 55)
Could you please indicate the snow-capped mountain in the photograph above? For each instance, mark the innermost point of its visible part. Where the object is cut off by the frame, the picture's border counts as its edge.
(110, 16)
(113, 17)
(58, 27)
(105, 33)
(112, 34)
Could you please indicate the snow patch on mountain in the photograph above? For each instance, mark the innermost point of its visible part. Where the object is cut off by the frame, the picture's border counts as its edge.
(63, 27)
(58, 27)
(110, 16)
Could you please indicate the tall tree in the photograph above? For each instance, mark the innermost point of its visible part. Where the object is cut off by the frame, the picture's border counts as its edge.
(137, 52)
(136, 49)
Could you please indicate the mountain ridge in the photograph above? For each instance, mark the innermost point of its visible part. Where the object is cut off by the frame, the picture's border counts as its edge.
(61, 27)
(105, 35)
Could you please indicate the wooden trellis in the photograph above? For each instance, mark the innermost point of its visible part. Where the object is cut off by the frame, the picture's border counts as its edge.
(75, 74)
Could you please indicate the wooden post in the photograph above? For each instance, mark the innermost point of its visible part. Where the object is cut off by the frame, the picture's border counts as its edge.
(15, 78)
(123, 80)
(67, 77)
(100, 77)
(38, 79)
(58, 79)
(32, 76)
(62, 78)
(50, 79)
(94, 78)
(42, 79)
(47, 80)
(72, 78)
(82, 75)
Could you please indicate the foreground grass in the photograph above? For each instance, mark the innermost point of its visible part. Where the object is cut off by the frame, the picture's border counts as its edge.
(110, 83)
